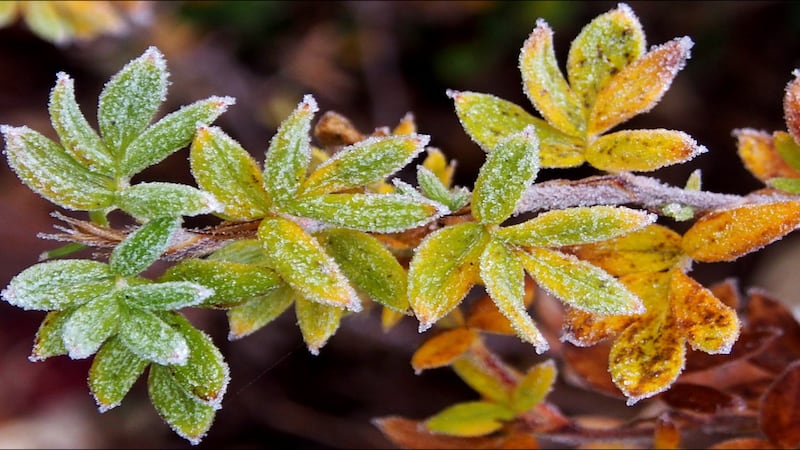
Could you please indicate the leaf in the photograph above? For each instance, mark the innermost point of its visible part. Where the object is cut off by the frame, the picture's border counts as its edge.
(130, 99)
(442, 349)
(764, 312)
(701, 399)
(786, 146)
(580, 225)
(229, 283)
(143, 247)
(74, 131)
(486, 317)
(604, 47)
(154, 200)
(413, 435)
(780, 408)
(546, 87)
(317, 321)
(508, 171)
(378, 213)
(790, 185)
(114, 371)
(791, 106)
(335, 130)
(432, 187)
(480, 378)
(301, 261)
(49, 171)
(253, 314)
(149, 337)
(743, 443)
(534, 386)
(57, 285)
(390, 318)
(642, 150)
(90, 325)
(666, 435)
(443, 269)
(369, 266)
(222, 167)
(639, 86)
(503, 275)
(8, 12)
(289, 153)
(758, 154)
(578, 283)
(590, 365)
(166, 296)
(49, 341)
(728, 234)
(171, 133)
(436, 162)
(245, 251)
(469, 419)
(188, 417)
(585, 329)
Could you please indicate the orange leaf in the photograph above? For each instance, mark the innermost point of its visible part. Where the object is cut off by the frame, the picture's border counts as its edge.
(780, 409)
(743, 443)
(588, 366)
(442, 349)
(791, 106)
(728, 234)
(411, 434)
(486, 317)
(667, 434)
(757, 152)
(641, 150)
(583, 329)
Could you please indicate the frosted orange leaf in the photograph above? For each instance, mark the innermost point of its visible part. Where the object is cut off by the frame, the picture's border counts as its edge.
(442, 349)
(791, 106)
(757, 152)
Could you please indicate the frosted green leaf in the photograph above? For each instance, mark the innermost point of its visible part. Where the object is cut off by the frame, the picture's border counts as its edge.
(170, 134)
(379, 213)
(484, 380)
(369, 266)
(166, 296)
(507, 173)
(48, 170)
(222, 167)
(431, 186)
(365, 162)
(534, 386)
(131, 98)
(49, 341)
(152, 200)
(607, 44)
(504, 277)
(786, 146)
(143, 247)
(579, 283)
(114, 371)
(289, 153)
(187, 416)
(253, 314)
(443, 269)
(205, 373)
(790, 185)
(573, 226)
(151, 338)
(317, 322)
(301, 261)
(231, 282)
(58, 284)
(77, 136)
(91, 324)
(246, 251)
(470, 419)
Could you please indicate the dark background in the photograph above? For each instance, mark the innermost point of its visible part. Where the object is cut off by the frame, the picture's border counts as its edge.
(372, 61)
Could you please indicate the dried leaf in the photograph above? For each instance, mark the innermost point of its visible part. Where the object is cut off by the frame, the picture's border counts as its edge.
(153, 200)
(470, 419)
(143, 247)
(151, 338)
(247, 317)
(442, 349)
(534, 386)
(642, 150)
(780, 408)
(335, 130)
(412, 434)
(791, 106)
(113, 372)
(701, 399)
(590, 364)
(59, 284)
(187, 416)
(91, 324)
(757, 152)
(317, 322)
(763, 312)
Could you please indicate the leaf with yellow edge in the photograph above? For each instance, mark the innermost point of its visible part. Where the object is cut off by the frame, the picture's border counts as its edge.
(604, 47)
(250, 316)
(791, 106)
(728, 234)
(317, 322)
(708, 324)
(757, 152)
(486, 317)
(546, 87)
(442, 349)
(534, 386)
(470, 419)
(572, 226)
(486, 382)
(437, 163)
(642, 150)
(301, 261)
(638, 86)
(504, 277)
(443, 269)
(584, 329)
(651, 249)
(789, 150)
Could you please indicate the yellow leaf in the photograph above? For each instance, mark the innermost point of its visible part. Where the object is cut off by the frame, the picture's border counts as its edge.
(470, 419)
(390, 318)
(791, 106)
(585, 329)
(728, 234)
(406, 126)
(477, 375)
(642, 150)
(437, 163)
(757, 152)
(534, 386)
(317, 322)
(442, 349)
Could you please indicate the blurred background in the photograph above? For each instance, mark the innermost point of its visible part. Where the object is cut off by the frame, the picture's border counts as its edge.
(373, 62)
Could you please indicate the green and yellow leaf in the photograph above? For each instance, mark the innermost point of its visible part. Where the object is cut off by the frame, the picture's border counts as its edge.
(317, 322)
(486, 317)
(534, 386)
(442, 349)
(470, 419)
(641, 150)
(480, 378)
(437, 163)
(790, 185)
(788, 148)
(230, 283)
(758, 154)
(248, 317)
(49, 341)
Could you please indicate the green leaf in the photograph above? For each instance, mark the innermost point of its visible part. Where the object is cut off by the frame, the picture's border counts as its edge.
(431, 186)
(222, 167)
(317, 322)
(573, 226)
(149, 337)
(246, 251)
(786, 146)
(143, 247)
(253, 314)
(77, 136)
(113, 372)
(534, 386)
(790, 185)
(504, 277)
(369, 266)
(131, 98)
(186, 415)
(166, 296)
(470, 419)
(365, 162)
(507, 173)
(300, 260)
(48, 170)
(49, 341)
(173, 132)
(90, 325)
(579, 283)
(231, 282)
(289, 154)
(443, 269)
(482, 379)
(153, 200)
(58, 284)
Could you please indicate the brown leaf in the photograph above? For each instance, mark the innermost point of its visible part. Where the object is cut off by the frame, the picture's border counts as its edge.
(701, 399)
(412, 434)
(780, 409)
(590, 364)
(791, 106)
(752, 341)
(765, 312)
(336, 130)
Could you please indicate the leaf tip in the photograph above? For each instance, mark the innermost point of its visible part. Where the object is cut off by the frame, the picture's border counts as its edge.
(424, 325)
(309, 104)
(453, 94)
(154, 56)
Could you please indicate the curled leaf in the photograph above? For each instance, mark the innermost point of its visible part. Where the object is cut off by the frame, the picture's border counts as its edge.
(642, 150)
(442, 349)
